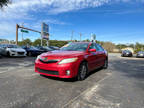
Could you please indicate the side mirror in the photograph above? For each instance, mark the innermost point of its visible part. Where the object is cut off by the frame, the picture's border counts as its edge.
(92, 50)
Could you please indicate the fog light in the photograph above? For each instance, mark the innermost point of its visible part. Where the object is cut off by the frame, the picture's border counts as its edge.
(68, 72)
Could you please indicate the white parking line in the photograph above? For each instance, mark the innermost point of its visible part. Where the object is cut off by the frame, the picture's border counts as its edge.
(3, 72)
(34, 74)
(86, 91)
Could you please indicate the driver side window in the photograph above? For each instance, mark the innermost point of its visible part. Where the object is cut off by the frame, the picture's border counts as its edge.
(92, 46)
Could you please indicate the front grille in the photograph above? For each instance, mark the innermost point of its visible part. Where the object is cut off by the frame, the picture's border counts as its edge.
(49, 61)
(21, 53)
(47, 71)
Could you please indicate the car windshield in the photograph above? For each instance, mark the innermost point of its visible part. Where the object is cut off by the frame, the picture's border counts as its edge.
(33, 48)
(126, 51)
(47, 48)
(13, 46)
(141, 52)
(75, 47)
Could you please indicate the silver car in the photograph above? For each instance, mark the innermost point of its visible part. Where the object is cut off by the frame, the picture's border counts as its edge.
(140, 54)
(12, 50)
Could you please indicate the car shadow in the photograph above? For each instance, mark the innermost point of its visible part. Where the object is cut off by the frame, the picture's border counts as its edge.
(71, 79)
(94, 71)
(60, 79)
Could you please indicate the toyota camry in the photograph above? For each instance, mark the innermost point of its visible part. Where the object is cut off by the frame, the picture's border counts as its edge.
(76, 59)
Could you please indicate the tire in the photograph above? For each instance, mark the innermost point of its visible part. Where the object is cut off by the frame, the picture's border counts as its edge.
(83, 70)
(105, 66)
(29, 54)
(8, 54)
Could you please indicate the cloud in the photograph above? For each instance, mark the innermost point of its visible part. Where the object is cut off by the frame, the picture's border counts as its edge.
(28, 10)
(23, 11)
(71, 5)
(20, 9)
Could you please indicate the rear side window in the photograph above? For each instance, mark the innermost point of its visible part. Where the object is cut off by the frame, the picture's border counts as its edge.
(92, 46)
(99, 48)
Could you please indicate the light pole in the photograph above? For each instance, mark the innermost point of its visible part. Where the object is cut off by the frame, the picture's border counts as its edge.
(80, 37)
(22, 32)
(72, 35)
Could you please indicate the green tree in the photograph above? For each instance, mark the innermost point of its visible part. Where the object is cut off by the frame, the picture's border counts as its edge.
(87, 40)
(139, 47)
(4, 3)
(25, 42)
(121, 46)
(57, 43)
(37, 42)
(109, 46)
(132, 46)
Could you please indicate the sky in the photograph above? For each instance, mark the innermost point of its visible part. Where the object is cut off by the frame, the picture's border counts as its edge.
(118, 21)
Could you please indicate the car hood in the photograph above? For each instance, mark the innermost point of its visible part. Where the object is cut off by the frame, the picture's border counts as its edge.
(140, 53)
(35, 50)
(17, 49)
(127, 52)
(63, 54)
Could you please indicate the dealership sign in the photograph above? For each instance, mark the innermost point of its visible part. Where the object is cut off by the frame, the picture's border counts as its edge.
(45, 31)
(93, 37)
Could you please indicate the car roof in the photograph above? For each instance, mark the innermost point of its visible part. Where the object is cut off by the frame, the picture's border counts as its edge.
(81, 42)
(141, 52)
(127, 50)
(84, 42)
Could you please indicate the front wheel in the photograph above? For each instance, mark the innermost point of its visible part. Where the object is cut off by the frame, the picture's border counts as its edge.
(29, 54)
(105, 66)
(8, 54)
(83, 70)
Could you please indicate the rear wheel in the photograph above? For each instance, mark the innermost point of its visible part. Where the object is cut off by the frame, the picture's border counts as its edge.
(105, 66)
(83, 70)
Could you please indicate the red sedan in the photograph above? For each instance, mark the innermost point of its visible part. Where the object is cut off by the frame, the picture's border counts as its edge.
(76, 59)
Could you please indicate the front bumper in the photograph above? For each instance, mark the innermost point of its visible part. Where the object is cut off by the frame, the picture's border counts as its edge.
(16, 54)
(140, 55)
(127, 55)
(56, 70)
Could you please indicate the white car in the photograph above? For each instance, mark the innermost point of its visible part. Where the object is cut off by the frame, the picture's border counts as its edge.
(12, 50)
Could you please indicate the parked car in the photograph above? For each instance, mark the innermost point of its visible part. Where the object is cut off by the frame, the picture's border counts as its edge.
(0, 51)
(12, 50)
(140, 54)
(32, 51)
(75, 60)
(44, 48)
(126, 53)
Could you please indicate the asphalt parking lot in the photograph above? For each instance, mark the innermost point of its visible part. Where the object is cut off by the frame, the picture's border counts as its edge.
(119, 86)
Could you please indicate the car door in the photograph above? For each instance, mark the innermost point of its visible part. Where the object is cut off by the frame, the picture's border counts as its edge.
(101, 55)
(92, 58)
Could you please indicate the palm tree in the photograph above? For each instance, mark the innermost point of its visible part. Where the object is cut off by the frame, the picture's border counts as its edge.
(4, 3)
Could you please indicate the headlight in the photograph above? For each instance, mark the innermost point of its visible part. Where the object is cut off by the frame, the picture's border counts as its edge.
(38, 57)
(13, 51)
(69, 60)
